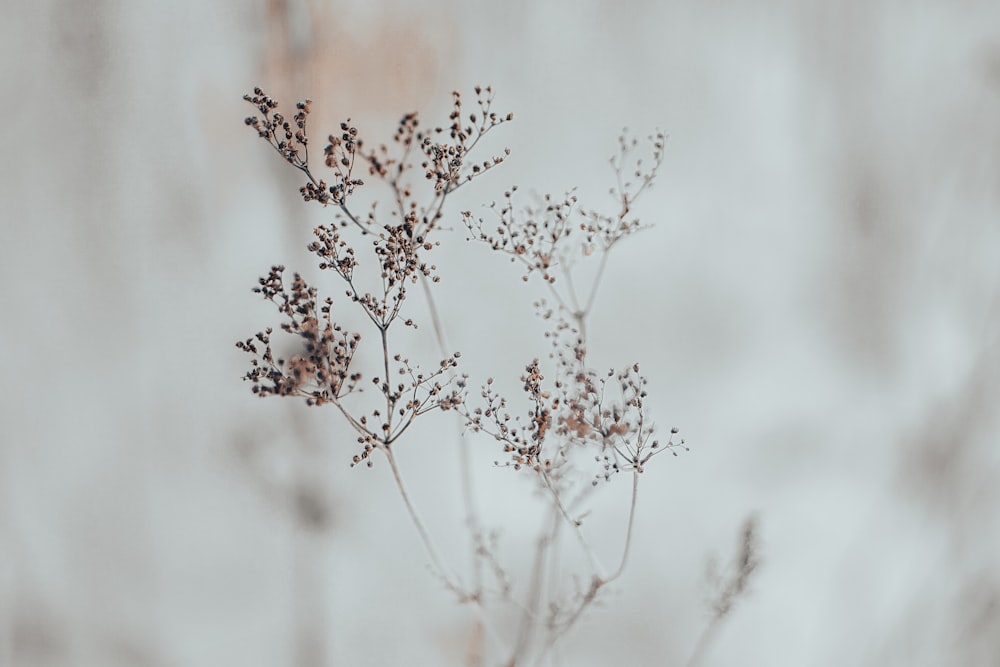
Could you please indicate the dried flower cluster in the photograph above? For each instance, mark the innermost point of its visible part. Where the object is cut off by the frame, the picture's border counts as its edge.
(445, 162)
(544, 235)
(321, 369)
(291, 142)
(398, 255)
(534, 236)
(579, 416)
(581, 411)
(603, 413)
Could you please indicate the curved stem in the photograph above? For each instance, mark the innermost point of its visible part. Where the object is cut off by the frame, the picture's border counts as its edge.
(465, 466)
(424, 536)
(304, 168)
(435, 317)
(575, 525)
(567, 274)
(628, 531)
(703, 642)
(464, 463)
(596, 583)
(453, 584)
(597, 282)
(539, 580)
(389, 403)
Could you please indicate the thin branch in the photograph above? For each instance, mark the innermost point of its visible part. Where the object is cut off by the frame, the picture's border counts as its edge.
(733, 588)
(464, 463)
(597, 281)
(575, 525)
(304, 168)
(704, 640)
(389, 403)
(456, 585)
(538, 580)
(628, 531)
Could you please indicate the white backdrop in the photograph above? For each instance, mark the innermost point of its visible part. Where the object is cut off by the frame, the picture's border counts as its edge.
(816, 307)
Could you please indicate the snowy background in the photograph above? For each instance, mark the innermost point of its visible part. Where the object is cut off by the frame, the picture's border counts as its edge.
(816, 307)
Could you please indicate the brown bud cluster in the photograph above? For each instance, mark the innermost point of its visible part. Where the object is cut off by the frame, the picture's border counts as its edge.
(320, 365)
(320, 368)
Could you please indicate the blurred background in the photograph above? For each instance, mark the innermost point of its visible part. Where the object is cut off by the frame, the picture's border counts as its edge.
(816, 308)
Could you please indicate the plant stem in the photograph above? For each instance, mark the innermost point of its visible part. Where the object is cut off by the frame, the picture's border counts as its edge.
(703, 641)
(389, 403)
(424, 536)
(464, 464)
(628, 531)
(575, 525)
(597, 282)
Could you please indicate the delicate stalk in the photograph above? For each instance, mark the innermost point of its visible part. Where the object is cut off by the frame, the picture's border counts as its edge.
(464, 464)
(703, 642)
(597, 282)
(575, 525)
(628, 531)
(424, 536)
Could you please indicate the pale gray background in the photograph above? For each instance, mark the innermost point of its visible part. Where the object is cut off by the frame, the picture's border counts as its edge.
(816, 308)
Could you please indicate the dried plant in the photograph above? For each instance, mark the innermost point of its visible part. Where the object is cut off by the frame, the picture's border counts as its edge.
(577, 429)
(726, 588)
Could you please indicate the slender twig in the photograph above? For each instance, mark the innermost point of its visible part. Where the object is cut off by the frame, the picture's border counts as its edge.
(628, 531)
(463, 451)
(737, 584)
(304, 168)
(454, 585)
(704, 640)
(388, 389)
(464, 462)
(574, 524)
(597, 281)
(538, 581)
(572, 291)
(597, 582)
